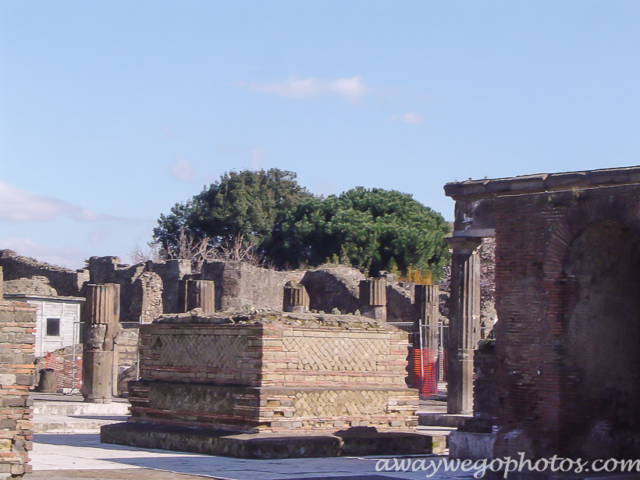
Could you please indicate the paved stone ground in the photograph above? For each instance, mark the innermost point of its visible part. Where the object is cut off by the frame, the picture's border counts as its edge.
(71, 456)
(123, 474)
(78, 454)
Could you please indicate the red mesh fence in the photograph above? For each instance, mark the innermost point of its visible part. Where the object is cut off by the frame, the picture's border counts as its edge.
(424, 371)
(67, 368)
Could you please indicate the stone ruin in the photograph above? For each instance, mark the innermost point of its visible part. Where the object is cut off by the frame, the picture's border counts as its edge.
(17, 340)
(150, 289)
(565, 360)
(334, 381)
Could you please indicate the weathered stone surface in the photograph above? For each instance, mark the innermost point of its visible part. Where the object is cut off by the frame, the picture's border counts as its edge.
(373, 292)
(471, 445)
(37, 285)
(273, 373)
(64, 281)
(427, 305)
(270, 446)
(197, 294)
(240, 287)
(16, 345)
(333, 286)
(101, 324)
(464, 324)
(296, 298)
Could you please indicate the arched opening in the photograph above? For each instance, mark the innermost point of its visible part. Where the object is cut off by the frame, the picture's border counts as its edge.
(601, 398)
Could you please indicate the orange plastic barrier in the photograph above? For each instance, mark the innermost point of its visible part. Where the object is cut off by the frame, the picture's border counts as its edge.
(423, 371)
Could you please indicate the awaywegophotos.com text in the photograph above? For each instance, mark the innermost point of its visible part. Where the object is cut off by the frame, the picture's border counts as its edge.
(506, 465)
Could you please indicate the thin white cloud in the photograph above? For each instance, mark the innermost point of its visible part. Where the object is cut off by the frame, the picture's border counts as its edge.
(20, 206)
(182, 169)
(69, 257)
(351, 89)
(411, 118)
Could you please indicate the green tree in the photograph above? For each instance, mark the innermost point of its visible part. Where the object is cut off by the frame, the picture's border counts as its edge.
(372, 229)
(242, 206)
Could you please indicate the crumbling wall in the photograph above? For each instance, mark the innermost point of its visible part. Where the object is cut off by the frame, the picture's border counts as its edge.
(400, 301)
(333, 286)
(66, 282)
(171, 272)
(242, 287)
(30, 286)
(17, 340)
(126, 348)
(140, 290)
(146, 302)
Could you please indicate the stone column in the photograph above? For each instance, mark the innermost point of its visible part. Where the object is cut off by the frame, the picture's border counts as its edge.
(464, 326)
(427, 303)
(296, 298)
(373, 297)
(101, 324)
(198, 294)
(1, 286)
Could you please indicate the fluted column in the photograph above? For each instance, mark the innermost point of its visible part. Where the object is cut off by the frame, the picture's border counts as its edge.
(464, 326)
(373, 298)
(101, 323)
(197, 294)
(296, 298)
(427, 302)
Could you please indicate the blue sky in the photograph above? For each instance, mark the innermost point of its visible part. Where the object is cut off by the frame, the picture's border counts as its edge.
(111, 112)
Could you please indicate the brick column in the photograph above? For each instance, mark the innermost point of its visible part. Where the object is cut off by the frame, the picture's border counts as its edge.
(373, 297)
(464, 326)
(296, 298)
(101, 324)
(17, 342)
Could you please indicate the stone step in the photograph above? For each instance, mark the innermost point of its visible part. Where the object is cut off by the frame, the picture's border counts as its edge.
(79, 408)
(442, 419)
(73, 424)
(356, 442)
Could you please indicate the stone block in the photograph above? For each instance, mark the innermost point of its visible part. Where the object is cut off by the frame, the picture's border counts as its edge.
(471, 445)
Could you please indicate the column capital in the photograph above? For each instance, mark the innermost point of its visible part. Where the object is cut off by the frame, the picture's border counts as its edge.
(464, 244)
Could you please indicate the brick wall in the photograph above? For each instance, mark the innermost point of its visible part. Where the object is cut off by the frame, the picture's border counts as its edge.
(274, 373)
(17, 340)
(484, 388)
(540, 409)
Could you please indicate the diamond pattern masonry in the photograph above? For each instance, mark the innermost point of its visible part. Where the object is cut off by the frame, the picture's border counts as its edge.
(322, 353)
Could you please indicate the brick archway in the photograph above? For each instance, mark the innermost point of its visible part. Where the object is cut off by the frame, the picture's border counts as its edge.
(595, 326)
